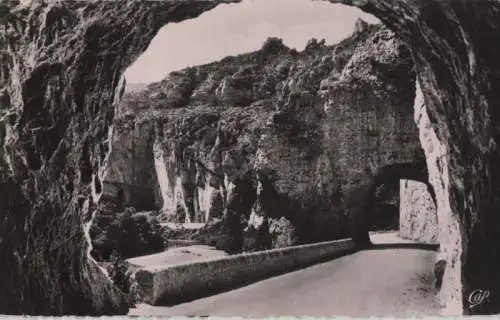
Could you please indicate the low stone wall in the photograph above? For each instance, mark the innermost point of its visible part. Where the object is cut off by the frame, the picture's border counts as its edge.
(187, 282)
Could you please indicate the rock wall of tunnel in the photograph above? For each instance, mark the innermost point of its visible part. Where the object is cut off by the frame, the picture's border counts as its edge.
(303, 131)
(60, 63)
(417, 213)
(458, 116)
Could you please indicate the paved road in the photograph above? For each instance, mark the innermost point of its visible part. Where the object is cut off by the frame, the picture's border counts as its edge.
(389, 280)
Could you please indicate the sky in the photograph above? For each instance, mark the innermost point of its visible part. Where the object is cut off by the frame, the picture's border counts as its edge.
(232, 29)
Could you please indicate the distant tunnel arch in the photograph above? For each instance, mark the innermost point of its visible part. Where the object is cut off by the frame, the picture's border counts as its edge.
(380, 216)
(388, 176)
(393, 173)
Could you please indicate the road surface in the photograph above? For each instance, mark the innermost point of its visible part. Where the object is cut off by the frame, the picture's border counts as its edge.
(389, 280)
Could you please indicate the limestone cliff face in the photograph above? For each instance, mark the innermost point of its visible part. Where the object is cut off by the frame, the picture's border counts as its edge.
(130, 177)
(280, 133)
(60, 66)
(417, 213)
(459, 121)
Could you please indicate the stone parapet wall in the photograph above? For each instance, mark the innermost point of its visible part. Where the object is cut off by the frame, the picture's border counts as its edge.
(195, 280)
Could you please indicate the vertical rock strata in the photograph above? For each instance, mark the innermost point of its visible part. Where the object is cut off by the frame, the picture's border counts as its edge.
(60, 63)
(129, 177)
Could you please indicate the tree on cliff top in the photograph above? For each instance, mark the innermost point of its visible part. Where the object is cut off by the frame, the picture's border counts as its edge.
(273, 45)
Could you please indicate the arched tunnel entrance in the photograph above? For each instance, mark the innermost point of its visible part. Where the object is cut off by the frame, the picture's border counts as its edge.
(383, 205)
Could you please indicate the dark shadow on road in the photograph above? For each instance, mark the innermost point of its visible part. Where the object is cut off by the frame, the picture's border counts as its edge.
(419, 246)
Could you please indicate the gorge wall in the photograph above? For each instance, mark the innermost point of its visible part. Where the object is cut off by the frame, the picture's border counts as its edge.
(130, 176)
(275, 133)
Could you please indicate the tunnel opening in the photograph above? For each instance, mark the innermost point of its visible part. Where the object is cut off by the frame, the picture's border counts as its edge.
(385, 207)
(178, 184)
(384, 192)
(394, 206)
(143, 192)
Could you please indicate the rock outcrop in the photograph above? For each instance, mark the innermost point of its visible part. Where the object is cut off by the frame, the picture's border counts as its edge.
(279, 133)
(130, 176)
(60, 69)
(459, 120)
(417, 213)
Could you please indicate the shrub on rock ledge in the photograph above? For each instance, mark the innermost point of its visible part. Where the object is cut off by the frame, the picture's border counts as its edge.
(209, 234)
(257, 238)
(231, 234)
(282, 233)
(127, 234)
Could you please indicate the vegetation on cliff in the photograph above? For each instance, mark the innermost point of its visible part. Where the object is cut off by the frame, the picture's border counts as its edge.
(118, 236)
